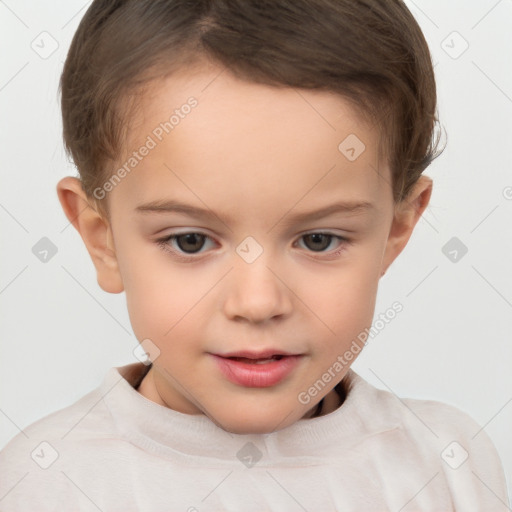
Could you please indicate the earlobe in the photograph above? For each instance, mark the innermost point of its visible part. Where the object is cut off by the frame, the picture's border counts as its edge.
(406, 215)
(95, 231)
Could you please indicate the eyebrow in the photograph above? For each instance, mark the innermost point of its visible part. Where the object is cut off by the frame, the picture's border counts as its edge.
(173, 206)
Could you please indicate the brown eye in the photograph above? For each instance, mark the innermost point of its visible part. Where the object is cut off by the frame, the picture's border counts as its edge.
(190, 242)
(317, 241)
(186, 246)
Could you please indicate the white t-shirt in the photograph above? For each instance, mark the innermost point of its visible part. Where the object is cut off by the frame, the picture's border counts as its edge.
(115, 450)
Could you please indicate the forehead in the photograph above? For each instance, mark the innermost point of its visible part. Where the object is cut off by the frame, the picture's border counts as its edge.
(231, 142)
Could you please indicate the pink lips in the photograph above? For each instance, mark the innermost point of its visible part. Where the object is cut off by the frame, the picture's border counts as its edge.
(256, 375)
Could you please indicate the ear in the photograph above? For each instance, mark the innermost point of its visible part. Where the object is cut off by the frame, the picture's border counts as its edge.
(95, 231)
(406, 215)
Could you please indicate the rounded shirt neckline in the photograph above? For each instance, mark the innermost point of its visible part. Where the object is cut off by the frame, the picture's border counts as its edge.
(165, 431)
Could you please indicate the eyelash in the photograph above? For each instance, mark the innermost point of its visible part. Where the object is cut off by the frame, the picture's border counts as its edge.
(164, 244)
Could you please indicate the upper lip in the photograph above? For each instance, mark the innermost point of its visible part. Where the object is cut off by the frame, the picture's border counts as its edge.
(263, 354)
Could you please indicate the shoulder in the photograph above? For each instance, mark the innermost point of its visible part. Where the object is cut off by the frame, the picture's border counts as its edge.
(32, 461)
(84, 415)
(455, 431)
(440, 437)
(438, 419)
(468, 459)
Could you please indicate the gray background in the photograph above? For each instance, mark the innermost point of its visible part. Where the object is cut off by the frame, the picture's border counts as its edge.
(60, 332)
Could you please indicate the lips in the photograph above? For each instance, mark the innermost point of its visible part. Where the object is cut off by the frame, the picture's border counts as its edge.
(257, 369)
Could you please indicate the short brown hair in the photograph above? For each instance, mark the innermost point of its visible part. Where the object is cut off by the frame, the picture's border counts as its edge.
(371, 52)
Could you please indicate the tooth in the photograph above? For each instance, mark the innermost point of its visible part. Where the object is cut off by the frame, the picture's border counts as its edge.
(257, 361)
(254, 361)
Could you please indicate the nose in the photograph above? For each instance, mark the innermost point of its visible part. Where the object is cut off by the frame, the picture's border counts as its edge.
(256, 293)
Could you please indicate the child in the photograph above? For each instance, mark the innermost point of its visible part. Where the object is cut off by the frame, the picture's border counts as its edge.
(257, 130)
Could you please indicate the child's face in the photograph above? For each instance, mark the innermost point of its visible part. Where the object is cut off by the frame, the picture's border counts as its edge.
(252, 158)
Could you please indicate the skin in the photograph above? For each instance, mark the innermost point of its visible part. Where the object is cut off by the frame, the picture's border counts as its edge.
(255, 156)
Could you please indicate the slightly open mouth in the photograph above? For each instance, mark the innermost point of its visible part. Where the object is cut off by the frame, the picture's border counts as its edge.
(261, 372)
(256, 361)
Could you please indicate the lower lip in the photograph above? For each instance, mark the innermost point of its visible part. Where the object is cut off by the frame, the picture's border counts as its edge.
(254, 375)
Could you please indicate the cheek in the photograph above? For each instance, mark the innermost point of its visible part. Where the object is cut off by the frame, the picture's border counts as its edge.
(159, 294)
(342, 300)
